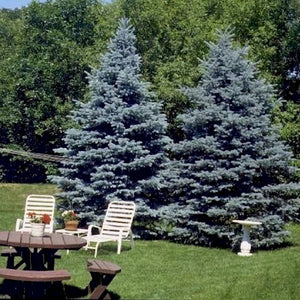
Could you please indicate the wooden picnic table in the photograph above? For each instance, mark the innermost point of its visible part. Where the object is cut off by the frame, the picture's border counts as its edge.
(38, 253)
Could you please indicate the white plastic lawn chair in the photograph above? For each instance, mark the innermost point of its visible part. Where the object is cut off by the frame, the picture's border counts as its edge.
(40, 204)
(116, 226)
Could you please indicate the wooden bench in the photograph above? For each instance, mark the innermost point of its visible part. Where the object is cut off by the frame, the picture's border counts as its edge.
(22, 278)
(36, 276)
(102, 273)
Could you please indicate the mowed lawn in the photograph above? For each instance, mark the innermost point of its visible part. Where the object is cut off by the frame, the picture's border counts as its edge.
(165, 270)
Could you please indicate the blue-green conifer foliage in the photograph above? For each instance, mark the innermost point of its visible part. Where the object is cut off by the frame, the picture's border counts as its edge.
(118, 142)
(231, 164)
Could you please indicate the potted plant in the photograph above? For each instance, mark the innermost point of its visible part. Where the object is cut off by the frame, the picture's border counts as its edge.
(38, 223)
(70, 219)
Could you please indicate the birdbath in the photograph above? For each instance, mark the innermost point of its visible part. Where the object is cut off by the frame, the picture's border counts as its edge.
(245, 244)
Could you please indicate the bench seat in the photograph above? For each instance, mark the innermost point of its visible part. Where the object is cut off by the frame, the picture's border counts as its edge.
(35, 276)
(103, 267)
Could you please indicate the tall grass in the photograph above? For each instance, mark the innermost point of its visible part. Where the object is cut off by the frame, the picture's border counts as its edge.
(164, 270)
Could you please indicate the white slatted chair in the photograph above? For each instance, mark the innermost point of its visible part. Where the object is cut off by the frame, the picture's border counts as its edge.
(116, 226)
(40, 204)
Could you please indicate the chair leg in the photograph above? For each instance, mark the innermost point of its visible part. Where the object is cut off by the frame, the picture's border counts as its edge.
(119, 246)
(131, 241)
(96, 249)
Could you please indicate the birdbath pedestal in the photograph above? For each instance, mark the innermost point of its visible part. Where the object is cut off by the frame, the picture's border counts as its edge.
(245, 244)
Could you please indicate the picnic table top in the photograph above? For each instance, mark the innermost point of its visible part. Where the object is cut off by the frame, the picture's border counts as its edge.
(48, 240)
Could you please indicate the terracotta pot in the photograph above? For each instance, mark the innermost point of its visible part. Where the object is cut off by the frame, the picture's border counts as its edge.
(37, 229)
(71, 225)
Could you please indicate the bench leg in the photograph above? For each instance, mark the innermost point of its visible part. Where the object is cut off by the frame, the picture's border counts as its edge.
(98, 291)
(98, 285)
(10, 262)
(25, 255)
(11, 254)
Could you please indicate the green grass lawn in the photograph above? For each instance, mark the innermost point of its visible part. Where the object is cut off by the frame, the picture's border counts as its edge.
(164, 270)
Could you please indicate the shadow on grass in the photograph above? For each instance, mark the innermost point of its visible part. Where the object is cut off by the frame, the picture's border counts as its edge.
(74, 292)
(7, 291)
(14, 290)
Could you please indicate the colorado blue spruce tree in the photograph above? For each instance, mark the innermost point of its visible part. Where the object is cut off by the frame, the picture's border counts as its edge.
(118, 142)
(231, 164)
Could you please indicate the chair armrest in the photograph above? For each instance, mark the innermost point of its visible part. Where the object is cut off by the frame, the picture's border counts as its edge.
(19, 224)
(90, 229)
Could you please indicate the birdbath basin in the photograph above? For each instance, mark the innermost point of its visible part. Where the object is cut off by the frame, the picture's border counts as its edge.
(245, 244)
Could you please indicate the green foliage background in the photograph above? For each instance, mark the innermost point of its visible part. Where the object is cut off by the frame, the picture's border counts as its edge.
(46, 48)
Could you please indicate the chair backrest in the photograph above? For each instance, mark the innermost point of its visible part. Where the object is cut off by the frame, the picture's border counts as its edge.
(119, 215)
(40, 204)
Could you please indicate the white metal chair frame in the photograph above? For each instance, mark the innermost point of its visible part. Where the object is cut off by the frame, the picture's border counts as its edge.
(40, 204)
(116, 226)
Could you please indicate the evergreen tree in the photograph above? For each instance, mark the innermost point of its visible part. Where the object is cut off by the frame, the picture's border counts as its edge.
(118, 142)
(231, 164)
